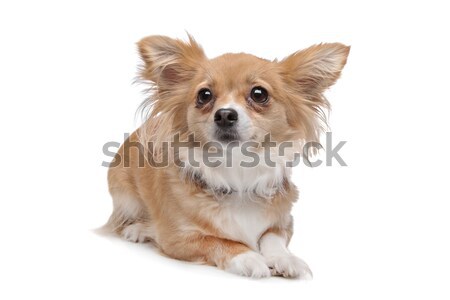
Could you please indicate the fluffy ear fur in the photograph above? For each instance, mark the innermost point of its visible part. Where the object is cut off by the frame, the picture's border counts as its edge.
(168, 62)
(169, 66)
(308, 73)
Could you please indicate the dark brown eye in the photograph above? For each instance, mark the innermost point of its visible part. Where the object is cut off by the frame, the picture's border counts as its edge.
(204, 96)
(259, 95)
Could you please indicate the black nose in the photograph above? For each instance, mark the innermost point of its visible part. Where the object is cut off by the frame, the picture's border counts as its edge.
(225, 117)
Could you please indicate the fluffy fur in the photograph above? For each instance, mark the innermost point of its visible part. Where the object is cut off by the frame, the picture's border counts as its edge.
(235, 218)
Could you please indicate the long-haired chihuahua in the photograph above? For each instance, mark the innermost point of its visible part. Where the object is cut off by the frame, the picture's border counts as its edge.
(206, 178)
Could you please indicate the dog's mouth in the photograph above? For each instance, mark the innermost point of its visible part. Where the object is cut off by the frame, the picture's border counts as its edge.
(227, 135)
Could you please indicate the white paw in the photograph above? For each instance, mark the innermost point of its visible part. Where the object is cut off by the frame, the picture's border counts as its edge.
(250, 264)
(135, 233)
(289, 266)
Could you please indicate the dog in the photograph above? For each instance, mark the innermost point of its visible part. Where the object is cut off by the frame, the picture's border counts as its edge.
(232, 212)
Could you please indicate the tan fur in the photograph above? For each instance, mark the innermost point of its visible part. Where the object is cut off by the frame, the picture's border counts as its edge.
(178, 213)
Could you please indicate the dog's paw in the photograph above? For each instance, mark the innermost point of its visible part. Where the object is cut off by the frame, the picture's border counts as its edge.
(250, 264)
(288, 266)
(135, 233)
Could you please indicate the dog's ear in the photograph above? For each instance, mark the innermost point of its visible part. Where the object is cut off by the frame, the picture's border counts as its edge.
(168, 62)
(316, 68)
(307, 74)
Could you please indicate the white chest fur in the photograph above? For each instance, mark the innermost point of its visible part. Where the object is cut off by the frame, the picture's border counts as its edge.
(261, 179)
(243, 215)
(243, 221)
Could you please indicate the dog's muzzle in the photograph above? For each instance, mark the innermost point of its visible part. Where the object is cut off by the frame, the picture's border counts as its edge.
(226, 120)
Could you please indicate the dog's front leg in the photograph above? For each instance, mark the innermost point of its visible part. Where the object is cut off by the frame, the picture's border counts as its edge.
(273, 246)
(229, 255)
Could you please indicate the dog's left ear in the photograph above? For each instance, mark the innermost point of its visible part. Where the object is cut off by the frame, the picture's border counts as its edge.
(316, 68)
(308, 73)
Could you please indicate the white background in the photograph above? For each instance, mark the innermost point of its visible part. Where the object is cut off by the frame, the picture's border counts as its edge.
(377, 229)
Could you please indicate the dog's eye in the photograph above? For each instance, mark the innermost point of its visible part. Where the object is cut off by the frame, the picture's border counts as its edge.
(204, 96)
(259, 95)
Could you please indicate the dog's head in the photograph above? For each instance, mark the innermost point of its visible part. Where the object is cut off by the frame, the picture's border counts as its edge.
(238, 97)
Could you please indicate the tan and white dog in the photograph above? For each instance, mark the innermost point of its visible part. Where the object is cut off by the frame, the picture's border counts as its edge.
(232, 216)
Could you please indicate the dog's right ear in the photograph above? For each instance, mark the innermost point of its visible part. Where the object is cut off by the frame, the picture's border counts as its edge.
(169, 62)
